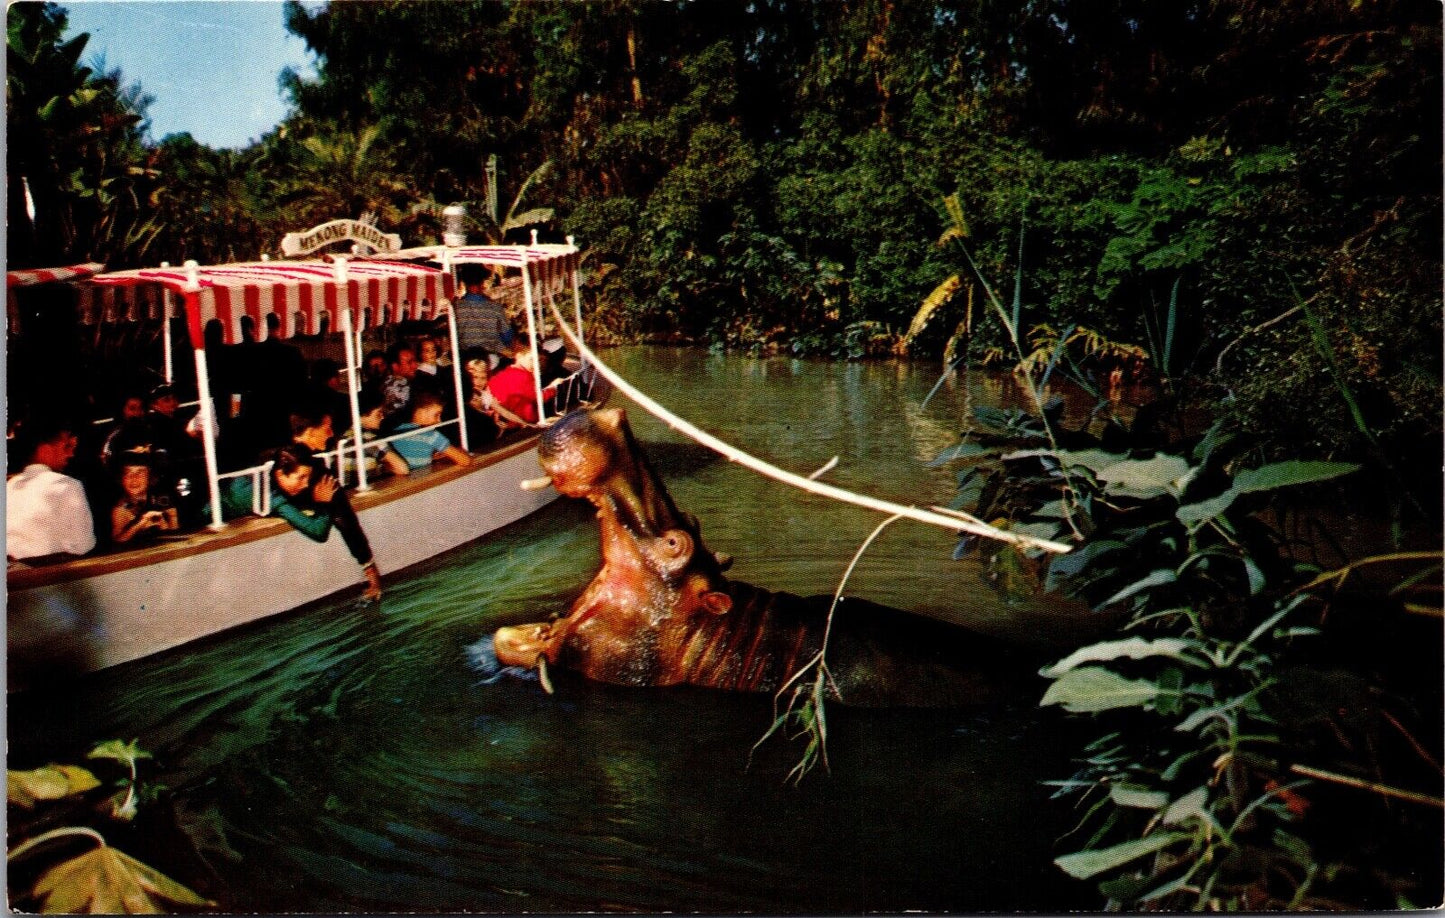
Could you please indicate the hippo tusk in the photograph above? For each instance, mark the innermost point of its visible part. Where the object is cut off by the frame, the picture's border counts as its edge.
(536, 484)
(542, 674)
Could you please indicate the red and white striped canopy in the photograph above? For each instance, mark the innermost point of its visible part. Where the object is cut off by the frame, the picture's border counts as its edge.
(548, 268)
(300, 294)
(50, 275)
(34, 277)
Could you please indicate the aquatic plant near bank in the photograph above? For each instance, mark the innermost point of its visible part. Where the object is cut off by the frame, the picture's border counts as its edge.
(103, 879)
(1219, 701)
(805, 698)
(1224, 712)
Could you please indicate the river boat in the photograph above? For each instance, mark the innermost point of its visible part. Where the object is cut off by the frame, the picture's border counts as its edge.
(99, 611)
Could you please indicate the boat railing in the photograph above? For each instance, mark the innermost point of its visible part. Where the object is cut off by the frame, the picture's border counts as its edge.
(260, 476)
(347, 445)
(574, 390)
(102, 421)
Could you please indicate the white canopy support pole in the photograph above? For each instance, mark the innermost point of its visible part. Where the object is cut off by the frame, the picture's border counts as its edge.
(352, 388)
(577, 297)
(532, 333)
(166, 336)
(457, 379)
(937, 516)
(208, 408)
(167, 359)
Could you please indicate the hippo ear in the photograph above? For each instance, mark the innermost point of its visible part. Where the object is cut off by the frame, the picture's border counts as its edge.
(716, 602)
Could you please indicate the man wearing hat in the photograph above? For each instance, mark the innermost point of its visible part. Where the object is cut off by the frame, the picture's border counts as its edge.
(174, 453)
(481, 320)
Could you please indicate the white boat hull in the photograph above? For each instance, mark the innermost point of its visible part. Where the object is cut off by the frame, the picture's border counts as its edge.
(100, 612)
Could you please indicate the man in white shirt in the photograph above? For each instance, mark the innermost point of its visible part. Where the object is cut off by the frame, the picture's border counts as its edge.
(46, 512)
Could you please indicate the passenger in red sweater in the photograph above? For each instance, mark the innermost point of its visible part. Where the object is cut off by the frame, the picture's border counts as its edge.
(515, 388)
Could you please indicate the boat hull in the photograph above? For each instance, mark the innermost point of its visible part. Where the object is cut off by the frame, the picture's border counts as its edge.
(87, 615)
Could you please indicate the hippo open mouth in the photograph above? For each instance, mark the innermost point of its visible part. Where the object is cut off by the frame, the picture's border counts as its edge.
(661, 612)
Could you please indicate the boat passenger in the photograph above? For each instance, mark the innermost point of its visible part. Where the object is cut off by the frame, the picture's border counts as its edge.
(127, 422)
(276, 371)
(483, 422)
(373, 367)
(421, 449)
(513, 386)
(401, 359)
(370, 402)
(427, 355)
(553, 352)
(139, 516)
(444, 347)
(47, 515)
(328, 388)
(481, 320)
(312, 503)
(175, 455)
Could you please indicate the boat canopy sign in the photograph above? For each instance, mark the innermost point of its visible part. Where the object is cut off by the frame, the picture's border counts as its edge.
(304, 296)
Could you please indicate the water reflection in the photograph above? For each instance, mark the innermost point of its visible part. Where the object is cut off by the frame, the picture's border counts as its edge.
(344, 758)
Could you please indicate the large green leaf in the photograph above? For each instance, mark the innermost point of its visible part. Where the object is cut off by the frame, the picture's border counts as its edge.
(1094, 460)
(964, 450)
(1156, 578)
(1190, 806)
(1189, 514)
(1084, 864)
(1144, 478)
(1094, 688)
(1285, 474)
(1137, 797)
(1136, 648)
(1264, 478)
(1063, 567)
(49, 783)
(128, 753)
(109, 882)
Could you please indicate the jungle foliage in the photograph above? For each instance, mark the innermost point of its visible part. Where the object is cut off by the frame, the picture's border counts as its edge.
(96, 878)
(1266, 739)
(1237, 201)
(1271, 739)
(767, 174)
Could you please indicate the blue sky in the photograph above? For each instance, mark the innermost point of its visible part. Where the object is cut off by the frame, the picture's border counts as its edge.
(211, 66)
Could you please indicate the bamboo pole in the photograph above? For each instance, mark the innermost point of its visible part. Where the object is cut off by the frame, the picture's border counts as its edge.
(1383, 790)
(954, 521)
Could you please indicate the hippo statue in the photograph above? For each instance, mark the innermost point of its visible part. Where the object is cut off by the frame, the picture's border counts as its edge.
(660, 612)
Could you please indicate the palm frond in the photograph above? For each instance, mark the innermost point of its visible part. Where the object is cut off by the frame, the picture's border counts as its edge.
(935, 301)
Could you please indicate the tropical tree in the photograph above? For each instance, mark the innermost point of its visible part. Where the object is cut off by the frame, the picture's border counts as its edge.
(338, 172)
(79, 184)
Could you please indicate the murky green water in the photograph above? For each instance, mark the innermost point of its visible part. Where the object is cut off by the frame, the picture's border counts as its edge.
(343, 758)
